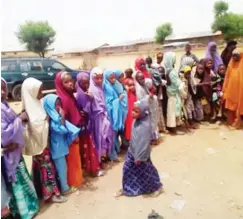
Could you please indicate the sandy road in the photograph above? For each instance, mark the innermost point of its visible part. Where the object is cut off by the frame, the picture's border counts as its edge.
(202, 170)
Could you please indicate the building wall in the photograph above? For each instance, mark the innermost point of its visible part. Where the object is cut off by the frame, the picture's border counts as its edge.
(127, 60)
(12, 54)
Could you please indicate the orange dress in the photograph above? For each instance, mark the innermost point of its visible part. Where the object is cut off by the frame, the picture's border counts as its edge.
(74, 166)
(233, 87)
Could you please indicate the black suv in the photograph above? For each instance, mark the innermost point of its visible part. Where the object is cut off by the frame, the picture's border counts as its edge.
(16, 70)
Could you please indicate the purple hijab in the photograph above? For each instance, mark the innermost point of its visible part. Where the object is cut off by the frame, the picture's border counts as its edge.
(217, 60)
(83, 100)
(101, 129)
(11, 132)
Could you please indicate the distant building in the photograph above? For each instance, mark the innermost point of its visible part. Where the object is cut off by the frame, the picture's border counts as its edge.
(22, 53)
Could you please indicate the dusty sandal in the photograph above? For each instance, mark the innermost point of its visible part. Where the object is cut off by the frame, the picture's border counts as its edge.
(58, 199)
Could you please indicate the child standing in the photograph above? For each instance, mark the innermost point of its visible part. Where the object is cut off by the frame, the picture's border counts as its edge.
(129, 73)
(217, 86)
(100, 125)
(139, 174)
(65, 89)
(62, 134)
(87, 146)
(190, 91)
(154, 110)
(24, 201)
(114, 108)
(131, 94)
(44, 175)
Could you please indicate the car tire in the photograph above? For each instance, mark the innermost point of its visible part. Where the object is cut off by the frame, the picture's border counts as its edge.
(16, 92)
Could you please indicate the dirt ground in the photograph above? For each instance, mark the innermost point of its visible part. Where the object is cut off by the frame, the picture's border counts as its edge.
(201, 173)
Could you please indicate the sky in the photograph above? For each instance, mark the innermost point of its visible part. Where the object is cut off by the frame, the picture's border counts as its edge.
(81, 24)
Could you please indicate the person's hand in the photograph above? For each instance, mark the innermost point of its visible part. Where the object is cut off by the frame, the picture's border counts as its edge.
(23, 116)
(89, 94)
(10, 147)
(121, 96)
(83, 113)
(62, 114)
(164, 82)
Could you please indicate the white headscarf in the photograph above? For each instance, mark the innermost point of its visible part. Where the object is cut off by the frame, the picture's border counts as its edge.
(36, 135)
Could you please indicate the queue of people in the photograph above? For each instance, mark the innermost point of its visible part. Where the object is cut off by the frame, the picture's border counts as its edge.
(86, 125)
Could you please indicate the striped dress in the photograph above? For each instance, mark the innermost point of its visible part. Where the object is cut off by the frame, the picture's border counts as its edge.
(24, 199)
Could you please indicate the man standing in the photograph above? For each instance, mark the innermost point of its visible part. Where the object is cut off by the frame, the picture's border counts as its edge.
(188, 59)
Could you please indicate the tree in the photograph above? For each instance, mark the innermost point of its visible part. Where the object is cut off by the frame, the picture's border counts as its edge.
(220, 8)
(162, 32)
(37, 36)
(230, 24)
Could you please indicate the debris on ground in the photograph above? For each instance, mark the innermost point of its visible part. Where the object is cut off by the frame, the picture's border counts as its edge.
(211, 151)
(154, 215)
(164, 175)
(178, 205)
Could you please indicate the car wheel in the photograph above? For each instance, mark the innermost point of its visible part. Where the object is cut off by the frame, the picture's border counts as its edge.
(16, 92)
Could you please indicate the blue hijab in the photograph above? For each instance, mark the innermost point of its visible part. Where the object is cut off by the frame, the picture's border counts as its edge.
(121, 90)
(115, 108)
(61, 136)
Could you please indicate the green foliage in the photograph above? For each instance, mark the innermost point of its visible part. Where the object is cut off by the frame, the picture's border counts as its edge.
(230, 24)
(220, 8)
(162, 32)
(37, 36)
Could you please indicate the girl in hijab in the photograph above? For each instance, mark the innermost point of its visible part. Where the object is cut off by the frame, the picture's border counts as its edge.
(212, 53)
(38, 129)
(139, 174)
(131, 94)
(24, 200)
(100, 125)
(120, 89)
(114, 104)
(65, 89)
(174, 86)
(87, 146)
(233, 89)
(154, 110)
(140, 65)
(141, 90)
(62, 134)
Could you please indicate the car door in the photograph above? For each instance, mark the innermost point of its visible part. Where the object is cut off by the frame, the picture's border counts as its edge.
(34, 68)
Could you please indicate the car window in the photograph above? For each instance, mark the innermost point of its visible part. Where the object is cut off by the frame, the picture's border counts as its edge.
(36, 66)
(9, 66)
(24, 66)
(57, 66)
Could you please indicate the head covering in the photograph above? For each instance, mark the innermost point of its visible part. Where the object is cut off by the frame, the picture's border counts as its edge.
(141, 133)
(169, 61)
(112, 103)
(36, 135)
(141, 90)
(118, 86)
(187, 68)
(11, 132)
(233, 85)
(148, 83)
(49, 104)
(68, 100)
(216, 58)
(138, 62)
(83, 100)
(98, 105)
(131, 100)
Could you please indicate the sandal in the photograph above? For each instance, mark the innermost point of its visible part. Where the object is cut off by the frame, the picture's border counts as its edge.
(119, 193)
(58, 199)
(70, 191)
